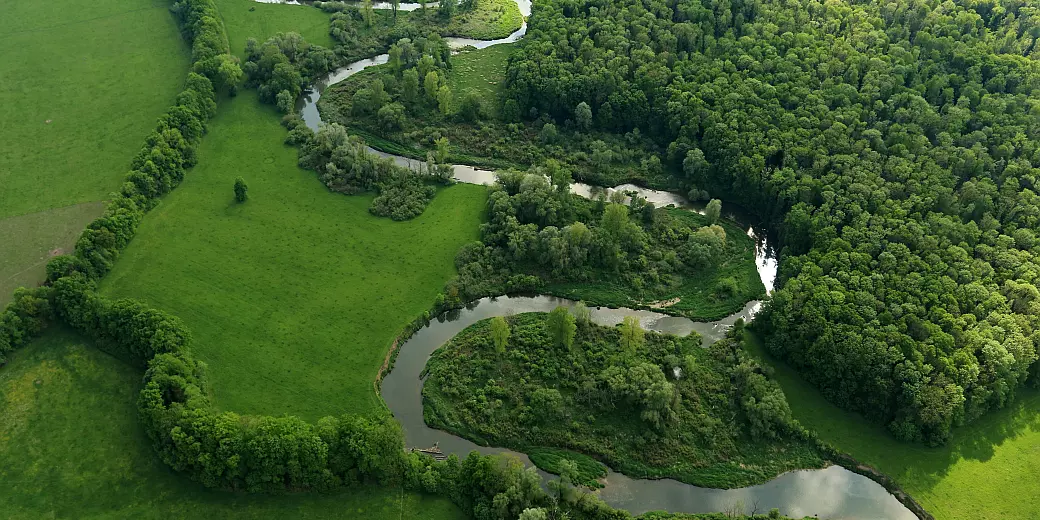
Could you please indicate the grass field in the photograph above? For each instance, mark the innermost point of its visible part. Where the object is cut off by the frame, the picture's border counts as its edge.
(481, 72)
(73, 447)
(265, 20)
(30, 240)
(82, 84)
(295, 296)
(986, 472)
(489, 20)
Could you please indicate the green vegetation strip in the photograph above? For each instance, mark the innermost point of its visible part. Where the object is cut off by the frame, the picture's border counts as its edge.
(74, 447)
(587, 472)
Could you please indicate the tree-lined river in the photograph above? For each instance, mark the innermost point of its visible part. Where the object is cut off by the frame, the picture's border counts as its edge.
(833, 492)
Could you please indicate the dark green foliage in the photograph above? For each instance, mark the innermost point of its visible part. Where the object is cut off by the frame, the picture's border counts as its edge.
(168, 151)
(402, 197)
(605, 253)
(24, 318)
(125, 328)
(280, 67)
(241, 190)
(588, 469)
(895, 141)
(345, 165)
(663, 407)
(478, 137)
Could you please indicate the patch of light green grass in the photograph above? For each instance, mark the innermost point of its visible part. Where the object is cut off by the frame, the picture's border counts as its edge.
(81, 86)
(73, 447)
(246, 19)
(295, 296)
(489, 20)
(30, 240)
(986, 472)
(482, 72)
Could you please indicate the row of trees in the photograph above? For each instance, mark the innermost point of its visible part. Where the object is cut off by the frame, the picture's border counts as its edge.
(896, 143)
(648, 404)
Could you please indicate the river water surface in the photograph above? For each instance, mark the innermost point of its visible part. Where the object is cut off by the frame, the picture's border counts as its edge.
(833, 492)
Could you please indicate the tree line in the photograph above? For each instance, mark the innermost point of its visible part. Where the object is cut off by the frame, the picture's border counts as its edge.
(894, 144)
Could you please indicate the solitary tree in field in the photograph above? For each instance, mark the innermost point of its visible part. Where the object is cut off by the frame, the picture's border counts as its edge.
(240, 189)
(713, 210)
(561, 327)
(499, 333)
(394, 4)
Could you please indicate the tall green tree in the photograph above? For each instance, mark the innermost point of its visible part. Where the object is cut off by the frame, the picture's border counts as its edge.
(561, 327)
(713, 210)
(632, 336)
(500, 333)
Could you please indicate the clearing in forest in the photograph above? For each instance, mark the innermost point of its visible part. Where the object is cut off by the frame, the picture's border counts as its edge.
(294, 296)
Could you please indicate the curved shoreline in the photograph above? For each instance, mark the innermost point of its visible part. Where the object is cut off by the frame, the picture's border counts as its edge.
(851, 480)
(830, 492)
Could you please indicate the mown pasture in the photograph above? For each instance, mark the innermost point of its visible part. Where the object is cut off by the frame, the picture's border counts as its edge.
(82, 84)
(73, 447)
(295, 296)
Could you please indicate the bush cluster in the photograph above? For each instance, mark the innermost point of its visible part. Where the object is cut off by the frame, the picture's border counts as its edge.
(283, 65)
(647, 404)
(344, 164)
(537, 228)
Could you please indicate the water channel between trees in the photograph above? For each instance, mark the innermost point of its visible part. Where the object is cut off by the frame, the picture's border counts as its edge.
(833, 492)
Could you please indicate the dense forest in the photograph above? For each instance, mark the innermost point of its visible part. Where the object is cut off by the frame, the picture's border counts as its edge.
(647, 404)
(617, 252)
(893, 143)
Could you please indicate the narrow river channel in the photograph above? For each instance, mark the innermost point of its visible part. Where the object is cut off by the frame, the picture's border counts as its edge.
(832, 493)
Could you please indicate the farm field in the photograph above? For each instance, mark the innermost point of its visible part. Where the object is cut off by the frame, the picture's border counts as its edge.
(978, 475)
(295, 296)
(74, 448)
(83, 83)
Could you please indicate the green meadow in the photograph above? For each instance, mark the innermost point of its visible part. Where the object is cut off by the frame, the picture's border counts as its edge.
(984, 473)
(246, 19)
(480, 71)
(295, 296)
(82, 84)
(73, 447)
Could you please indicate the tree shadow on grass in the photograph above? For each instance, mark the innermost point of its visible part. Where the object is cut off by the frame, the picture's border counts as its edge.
(914, 466)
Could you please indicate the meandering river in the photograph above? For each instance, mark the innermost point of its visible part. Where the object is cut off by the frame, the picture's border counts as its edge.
(833, 492)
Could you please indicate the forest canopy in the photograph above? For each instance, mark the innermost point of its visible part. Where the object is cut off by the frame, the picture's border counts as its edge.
(894, 144)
